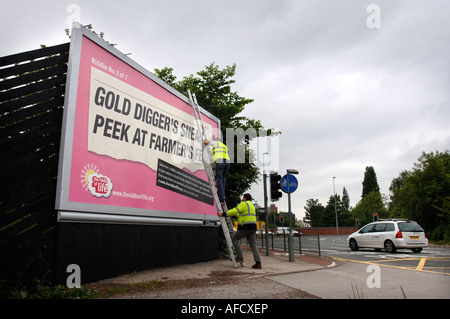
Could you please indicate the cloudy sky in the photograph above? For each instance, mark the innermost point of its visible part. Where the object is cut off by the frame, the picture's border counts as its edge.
(349, 85)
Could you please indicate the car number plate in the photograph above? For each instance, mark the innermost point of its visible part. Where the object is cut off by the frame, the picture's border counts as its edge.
(414, 237)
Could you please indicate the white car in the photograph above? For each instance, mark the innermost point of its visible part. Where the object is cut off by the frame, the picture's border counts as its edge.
(285, 231)
(259, 232)
(390, 235)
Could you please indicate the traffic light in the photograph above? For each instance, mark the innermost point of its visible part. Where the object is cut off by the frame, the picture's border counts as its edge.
(375, 217)
(275, 187)
(357, 221)
(281, 219)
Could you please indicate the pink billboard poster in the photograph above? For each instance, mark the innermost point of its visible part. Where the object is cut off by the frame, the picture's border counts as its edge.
(135, 143)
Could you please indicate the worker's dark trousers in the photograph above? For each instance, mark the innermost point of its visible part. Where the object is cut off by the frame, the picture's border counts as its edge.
(251, 238)
(221, 168)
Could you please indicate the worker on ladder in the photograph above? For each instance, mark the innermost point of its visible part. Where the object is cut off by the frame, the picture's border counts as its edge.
(221, 165)
(246, 213)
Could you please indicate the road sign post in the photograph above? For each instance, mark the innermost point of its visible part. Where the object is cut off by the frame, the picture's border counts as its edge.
(289, 185)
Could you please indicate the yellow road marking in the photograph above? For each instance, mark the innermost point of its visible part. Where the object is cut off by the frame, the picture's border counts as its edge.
(410, 258)
(399, 267)
(421, 264)
(387, 260)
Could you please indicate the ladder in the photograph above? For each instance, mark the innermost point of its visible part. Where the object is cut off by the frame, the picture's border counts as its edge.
(225, 222)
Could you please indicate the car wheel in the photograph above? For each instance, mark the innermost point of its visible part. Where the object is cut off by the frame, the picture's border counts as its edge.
(416, 250)
(353, 245)
(389, 246)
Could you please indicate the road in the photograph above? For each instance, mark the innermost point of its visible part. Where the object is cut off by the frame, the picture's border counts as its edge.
(370, 274)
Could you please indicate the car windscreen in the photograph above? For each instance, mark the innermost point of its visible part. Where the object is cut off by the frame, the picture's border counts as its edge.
(409, 227)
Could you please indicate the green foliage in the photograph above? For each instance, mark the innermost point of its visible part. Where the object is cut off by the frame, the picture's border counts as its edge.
(39, 290)
(274, 220)
(212, 88)
(89, 26)
(328, 218)
(345, 200)
(397, 184)
(372, 200)
(321, 216)
(370, 182)
(423, 194)
(372, 203)
(314, 211)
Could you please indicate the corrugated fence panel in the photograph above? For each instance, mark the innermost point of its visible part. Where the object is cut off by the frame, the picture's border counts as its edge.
(32, 86)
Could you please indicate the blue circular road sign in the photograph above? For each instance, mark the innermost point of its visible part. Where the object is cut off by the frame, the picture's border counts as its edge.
(289, 183)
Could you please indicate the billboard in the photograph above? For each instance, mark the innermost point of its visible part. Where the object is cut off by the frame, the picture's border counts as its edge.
(130, 148)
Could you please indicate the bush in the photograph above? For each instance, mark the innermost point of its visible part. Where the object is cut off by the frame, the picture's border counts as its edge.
(440, 235)
(38, 290)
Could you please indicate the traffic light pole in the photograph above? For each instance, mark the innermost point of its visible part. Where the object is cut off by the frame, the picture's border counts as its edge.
(291, 236)
(266, 212)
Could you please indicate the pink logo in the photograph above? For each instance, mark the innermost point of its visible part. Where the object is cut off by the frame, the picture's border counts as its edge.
(99, 185)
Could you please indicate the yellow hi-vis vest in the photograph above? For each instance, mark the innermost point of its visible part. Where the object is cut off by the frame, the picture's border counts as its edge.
(247, 215)
(220, 151)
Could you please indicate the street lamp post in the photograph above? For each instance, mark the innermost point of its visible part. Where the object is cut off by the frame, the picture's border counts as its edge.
(335, 209)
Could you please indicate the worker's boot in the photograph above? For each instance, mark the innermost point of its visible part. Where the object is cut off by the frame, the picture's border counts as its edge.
(224, 205)
(257, 265)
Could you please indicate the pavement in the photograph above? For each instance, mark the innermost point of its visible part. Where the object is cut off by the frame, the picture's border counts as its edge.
(355, 280)
(218, 278)
(309, 277)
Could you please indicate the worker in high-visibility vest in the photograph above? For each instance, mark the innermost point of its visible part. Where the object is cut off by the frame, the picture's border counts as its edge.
(246, 214)
(221, 165)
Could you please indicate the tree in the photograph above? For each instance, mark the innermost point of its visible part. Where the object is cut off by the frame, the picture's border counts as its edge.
(314, 211)
(345, 200)
(345, 217)
(371, 203)
(397, 184)
(321, 216)
(328, 218)
(423, 194)
(212, 88)
(370, 182)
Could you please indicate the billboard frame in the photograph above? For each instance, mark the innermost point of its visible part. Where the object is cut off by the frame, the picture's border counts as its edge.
(69, 211)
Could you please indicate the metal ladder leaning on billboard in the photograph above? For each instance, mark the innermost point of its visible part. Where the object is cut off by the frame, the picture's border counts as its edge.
(225, 222)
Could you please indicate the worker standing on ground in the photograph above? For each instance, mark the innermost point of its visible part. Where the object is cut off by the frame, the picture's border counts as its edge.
(246, 213)
(221, 165)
